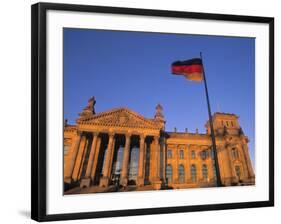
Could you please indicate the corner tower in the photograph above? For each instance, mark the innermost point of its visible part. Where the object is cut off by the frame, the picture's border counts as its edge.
(233, 151)
(225, 123)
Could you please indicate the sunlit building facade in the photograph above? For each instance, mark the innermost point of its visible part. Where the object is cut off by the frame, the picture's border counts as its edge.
(122, 148)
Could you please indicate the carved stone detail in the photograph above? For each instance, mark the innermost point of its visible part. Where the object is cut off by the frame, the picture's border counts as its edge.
(121, 118)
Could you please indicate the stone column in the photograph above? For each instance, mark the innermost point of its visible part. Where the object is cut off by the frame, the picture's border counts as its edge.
(79, 157)
(111, 158)
(87, 180)
(140, 180)
(176, 167)
(96, 157)
(199, 164)
(187, 166)
(84, 160)
(164, 160)
(104, 182)
(151, 161)
(72, 157)
(126, 157)
(145, 161)
(157, 156)
(156, 180)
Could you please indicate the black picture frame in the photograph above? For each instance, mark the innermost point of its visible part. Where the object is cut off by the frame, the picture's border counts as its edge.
(39, 110)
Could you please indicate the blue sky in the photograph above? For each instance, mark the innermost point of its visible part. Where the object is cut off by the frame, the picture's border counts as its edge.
(132, 69)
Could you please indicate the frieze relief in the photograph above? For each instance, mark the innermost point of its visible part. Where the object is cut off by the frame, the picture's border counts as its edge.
(121, 118)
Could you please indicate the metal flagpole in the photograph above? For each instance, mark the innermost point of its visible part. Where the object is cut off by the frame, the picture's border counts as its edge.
(219, 183)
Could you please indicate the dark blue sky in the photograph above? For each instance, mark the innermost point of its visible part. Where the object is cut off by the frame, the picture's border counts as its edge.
(132, 69)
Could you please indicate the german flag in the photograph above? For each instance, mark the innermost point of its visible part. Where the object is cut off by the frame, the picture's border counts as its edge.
(192, 69)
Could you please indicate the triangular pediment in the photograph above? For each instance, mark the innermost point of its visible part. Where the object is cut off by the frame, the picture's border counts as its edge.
(120, 117)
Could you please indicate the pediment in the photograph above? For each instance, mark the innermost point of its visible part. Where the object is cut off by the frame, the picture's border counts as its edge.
(120, 117)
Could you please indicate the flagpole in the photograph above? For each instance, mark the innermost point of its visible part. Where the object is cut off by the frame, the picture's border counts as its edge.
(219, 183)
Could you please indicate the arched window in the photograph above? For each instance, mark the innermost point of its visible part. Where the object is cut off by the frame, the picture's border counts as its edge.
(214, 171)
(193, 173)
(169, 173)
(234, 153)
(204, 154)
(212, 153)
(238, 172)
(181, 173)
(205, 172)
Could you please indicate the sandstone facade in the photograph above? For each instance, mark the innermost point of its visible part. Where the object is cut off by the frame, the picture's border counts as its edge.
(93, 146)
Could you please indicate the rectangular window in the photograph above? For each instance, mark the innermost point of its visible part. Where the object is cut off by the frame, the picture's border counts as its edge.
(65, 149)
(193, 154)
(212, 154)
(181, 154)
(169, 154)
(235, 154)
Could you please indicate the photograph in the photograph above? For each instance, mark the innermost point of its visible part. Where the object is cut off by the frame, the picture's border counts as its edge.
(153, 111)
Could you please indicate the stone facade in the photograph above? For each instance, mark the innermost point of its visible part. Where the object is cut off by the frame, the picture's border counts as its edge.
(165, 159)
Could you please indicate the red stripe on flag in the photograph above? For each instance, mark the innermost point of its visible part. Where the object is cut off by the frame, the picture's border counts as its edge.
(186, 69)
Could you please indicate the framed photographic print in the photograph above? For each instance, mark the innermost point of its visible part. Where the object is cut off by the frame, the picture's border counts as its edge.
(139, 111)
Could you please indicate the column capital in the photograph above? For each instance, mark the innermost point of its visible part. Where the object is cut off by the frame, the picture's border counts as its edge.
(111, 134)
(142, 142)
(142, 138)
(156, 138)
(79, 132)
(128, 135)
(95, 134)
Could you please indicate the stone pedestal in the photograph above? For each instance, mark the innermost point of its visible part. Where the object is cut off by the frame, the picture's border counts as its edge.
(140, 181)
(67, 180)
(85, 182)
(157, 184)
(227, 181)
(252, 179)
(104, 182)
(235, 180)
(124, 181)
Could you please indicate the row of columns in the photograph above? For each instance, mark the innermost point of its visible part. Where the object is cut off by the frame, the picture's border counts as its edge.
(77, 158)
(76, 154)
